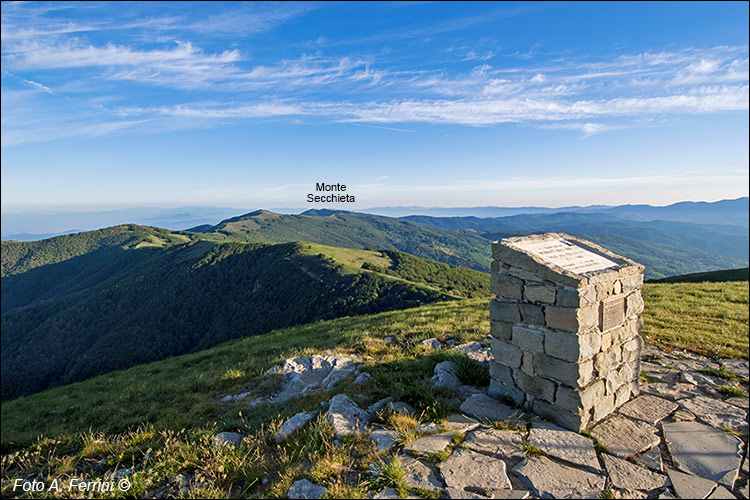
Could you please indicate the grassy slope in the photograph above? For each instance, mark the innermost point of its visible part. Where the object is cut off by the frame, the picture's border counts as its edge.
(85, 314)
(708, 318)
(741, 274)
(159, 418)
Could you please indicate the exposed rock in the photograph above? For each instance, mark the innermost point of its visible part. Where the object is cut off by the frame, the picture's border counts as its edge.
(696, 378)
(401, 407)
(379, 405)
(548, 479)
(293, 424)
(740, 402)
(721, 492)
(460, 493)
(704, 451)
(345, 416)
(432, 343)
(486, 408)
(672, 392)
(628, 476)
(475, 351)
(362, 379)
(651, 459)
(122, 473)
(740, 367)
(566, 445)
(227, 439)
(500, 444)
(420, 475)
(689, 486)
(650, 409)
(235, 397)
(387, 493)
(384, 439)
(461, 423)
(683, 415)
(305, 489)
(468, 469)
(445, 376)
(624, 437)
(716, 413)
(429, 427)
(658, 373)
(302, 375)
(430, 444)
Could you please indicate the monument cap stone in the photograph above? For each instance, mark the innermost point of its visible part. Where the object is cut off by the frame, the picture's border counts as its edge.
(586, 303)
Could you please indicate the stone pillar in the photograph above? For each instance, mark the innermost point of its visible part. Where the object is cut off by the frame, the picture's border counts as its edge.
(565, 327)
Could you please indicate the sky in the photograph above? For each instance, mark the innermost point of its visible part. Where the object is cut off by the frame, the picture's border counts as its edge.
(111, 105)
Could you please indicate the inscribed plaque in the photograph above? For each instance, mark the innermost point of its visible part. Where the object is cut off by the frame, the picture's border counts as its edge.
(613, 313)
(567, 255)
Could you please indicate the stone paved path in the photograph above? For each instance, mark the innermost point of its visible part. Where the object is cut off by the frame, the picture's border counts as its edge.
(681, 438)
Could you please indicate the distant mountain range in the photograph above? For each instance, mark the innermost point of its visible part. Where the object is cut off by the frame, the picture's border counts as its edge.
(37, 225)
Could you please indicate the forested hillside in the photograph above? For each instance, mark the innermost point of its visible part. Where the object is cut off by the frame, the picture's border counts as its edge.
(140, 294)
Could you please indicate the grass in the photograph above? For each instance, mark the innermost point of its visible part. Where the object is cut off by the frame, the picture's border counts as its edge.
(731, 391)
(718, 373)
(706, 318)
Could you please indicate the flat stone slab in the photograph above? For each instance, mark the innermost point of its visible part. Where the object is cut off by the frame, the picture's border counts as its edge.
(291, 425)
(461, 423)
(624, 437)
(704, 451)
(488, 409)
(346, 416)
(716, 413)
(721, 492)
(548, 479)
(689, 486)
(430, 444)
(387, 493)
(305, 489)
(672, 392)
(468, 469)
(651, 459)
(384, 439)
(650, 409)
(658, 373)
(740, 367)
(628, 476)
(445, 376)
(420, 475)
(475, 351)
(460, 493)
(566, 445)
(500, 444)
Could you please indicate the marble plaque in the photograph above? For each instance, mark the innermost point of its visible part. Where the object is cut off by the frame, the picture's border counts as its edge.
(613, 313)
(566, 254)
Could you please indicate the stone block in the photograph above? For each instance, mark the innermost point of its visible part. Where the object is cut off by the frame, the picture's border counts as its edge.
(571, 347)
(536, 386)
(527, 363)
(631, 350)
(506, 353)
(527, 337)
(634, 304)
(572, 374)
(505, 311)
(532, 314)
(579, 399)
(630, 283)
(506, 286)
(496, 266)
(622, 395)
(575, 297)
(539, 294)
(521, 273)
(501, 373)
(572, 319)
(604, 407)
(606, 360)
(499, 390)
(501, 330)
(606, 341)
(574, 421)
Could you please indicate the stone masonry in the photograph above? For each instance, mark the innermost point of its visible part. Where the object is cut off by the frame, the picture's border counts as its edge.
(565, 327)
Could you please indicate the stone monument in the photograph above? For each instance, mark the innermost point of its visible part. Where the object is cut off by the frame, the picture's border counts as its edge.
(565, 327)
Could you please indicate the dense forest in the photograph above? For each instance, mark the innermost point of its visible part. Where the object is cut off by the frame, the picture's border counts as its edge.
(142, 294)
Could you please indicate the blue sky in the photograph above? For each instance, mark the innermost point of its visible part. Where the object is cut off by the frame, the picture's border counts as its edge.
(407, 103)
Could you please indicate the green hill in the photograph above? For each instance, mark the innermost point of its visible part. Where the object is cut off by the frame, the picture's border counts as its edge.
(81, 305)
(352, 230)
(741, 274)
